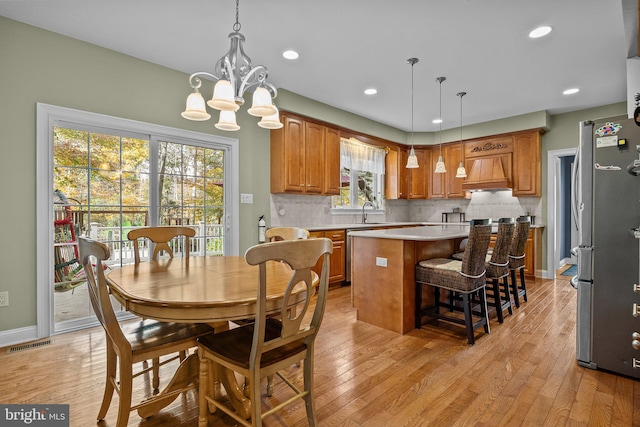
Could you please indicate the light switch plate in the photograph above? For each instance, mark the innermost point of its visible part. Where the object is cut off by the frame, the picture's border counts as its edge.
(246, 198)
(4, 299)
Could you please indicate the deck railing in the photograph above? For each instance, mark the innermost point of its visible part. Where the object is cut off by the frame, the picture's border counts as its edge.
(207, 241)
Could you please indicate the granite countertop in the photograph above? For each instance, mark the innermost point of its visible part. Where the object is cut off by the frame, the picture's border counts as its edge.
(427, 232)
(372, 225)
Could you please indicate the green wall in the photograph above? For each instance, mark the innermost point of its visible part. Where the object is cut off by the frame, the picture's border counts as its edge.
(40, 66)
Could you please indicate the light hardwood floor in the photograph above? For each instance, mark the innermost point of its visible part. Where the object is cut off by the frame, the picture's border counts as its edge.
(523, 373)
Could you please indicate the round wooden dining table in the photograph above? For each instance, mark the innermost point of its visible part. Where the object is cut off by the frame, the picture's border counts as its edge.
(210, 289)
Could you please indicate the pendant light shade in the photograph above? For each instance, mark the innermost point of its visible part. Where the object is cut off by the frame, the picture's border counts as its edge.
(461, 172)
(271, 122)
(440, 167)
(196, 109)
(412, 160)
(227, 121)
(262, 103)
(223, 98)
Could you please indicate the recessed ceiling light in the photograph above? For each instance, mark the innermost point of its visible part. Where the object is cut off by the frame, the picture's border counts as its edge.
(571, 91)
(540, 32)
(371, 91)
(290, 54)
(436, 121)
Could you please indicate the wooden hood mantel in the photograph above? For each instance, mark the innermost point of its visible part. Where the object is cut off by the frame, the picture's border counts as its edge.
(486, 173)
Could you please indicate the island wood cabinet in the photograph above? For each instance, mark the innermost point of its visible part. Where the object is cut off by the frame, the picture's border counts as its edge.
(305, 157)
(446, 185)
(337, 260)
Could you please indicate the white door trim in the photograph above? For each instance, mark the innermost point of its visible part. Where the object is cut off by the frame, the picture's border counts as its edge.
(553, 182)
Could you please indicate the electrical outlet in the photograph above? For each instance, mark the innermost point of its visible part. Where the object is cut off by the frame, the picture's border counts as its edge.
(246, 198)
(381, 262)
(4, 299)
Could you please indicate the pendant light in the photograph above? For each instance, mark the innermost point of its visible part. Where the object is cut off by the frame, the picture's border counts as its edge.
(412, 160)
(461, 172)
(440, 168)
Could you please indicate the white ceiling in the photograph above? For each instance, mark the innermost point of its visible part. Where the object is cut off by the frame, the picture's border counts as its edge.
(481, 46)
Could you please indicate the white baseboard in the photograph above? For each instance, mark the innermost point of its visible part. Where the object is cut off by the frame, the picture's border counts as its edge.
(18, 336)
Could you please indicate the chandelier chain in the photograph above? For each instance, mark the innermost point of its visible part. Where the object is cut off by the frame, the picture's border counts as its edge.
(237, 26)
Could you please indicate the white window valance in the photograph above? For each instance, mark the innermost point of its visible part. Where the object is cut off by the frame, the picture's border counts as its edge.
(357, 155)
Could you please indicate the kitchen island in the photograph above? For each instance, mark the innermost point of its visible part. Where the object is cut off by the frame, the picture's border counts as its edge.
(382, 270)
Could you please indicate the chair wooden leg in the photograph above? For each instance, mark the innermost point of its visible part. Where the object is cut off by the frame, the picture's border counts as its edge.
(497, 299)
(112, 360)
(418, 306)
(507, 294)
(514, 288)
(155, 368)
(203, 391)
(308, 387)
(483, 308)
(126, 392)
(468, 321)
(523, 285)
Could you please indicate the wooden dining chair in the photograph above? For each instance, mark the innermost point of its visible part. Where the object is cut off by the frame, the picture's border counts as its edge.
(161, 236)
(286, 233)
(130, 343)
(464, 277)
(270, 345)
(277, 234)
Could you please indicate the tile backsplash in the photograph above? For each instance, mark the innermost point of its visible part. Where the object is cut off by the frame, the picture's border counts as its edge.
(305, 211)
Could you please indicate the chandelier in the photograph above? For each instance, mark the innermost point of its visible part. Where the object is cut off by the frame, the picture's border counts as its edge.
(234, 75)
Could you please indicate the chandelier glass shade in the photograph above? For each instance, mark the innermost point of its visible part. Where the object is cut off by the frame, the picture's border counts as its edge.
(412, 160)
(234, 75)
(440, 167)
(461, 172)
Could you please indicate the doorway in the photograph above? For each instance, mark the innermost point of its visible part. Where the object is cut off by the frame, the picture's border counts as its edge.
(112, 175)
(562, 233)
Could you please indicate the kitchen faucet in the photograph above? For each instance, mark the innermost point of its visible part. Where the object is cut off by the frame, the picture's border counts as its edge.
(364, 215)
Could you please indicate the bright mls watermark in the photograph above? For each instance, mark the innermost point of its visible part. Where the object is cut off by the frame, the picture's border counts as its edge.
(34, 415)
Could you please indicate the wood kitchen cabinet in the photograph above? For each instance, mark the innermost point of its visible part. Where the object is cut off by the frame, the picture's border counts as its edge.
(418, 176)
(305, 157)
(396, 174)
(446, 185)
(527, 164)
(337, 260)
(533, 251)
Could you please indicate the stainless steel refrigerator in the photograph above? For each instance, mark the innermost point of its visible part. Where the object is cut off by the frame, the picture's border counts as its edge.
(607, 207)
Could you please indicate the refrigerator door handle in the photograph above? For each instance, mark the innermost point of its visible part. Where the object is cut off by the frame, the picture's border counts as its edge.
(574, 189)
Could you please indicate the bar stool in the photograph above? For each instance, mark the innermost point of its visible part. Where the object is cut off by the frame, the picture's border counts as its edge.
(516, 258)
(498, 268)
(464, 277)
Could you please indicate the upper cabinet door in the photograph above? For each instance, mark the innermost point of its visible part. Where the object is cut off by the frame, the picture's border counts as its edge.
(417, 176)
(527, 164)
(332, 161)
(294, 160)
(314, 157)
(453, 155)
(437, 181)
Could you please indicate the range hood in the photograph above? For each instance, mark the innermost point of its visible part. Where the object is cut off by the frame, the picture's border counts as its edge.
(486, 173)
